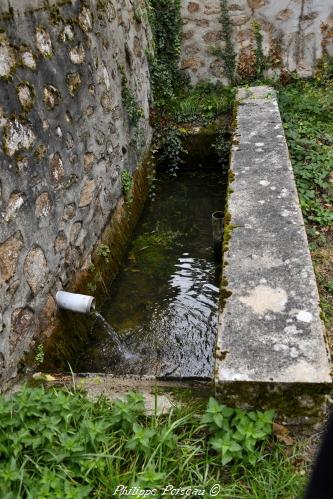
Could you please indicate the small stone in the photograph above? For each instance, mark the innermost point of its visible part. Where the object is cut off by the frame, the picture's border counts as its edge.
(87, 193)
(137, 49)
(48, 312)
(187, 35)
(22, 322)
(7, 57)
(69, 212)
(57, 171)
(22, 165)
(89, 111)
(212, 36)
(88, 160)
(193, 7)
(217, 68)
(17, 135)
(75, 231)
(51, 96)
(191, 63)
(28, 59)
(73, 83)
(43, 205)
(43, 42)
(240, 19)
(203, 23)
(60, 243)
(25, 95)
(77, 55)
(106, 102)
(212, 9)
(36, 269)
(85, 19)
(69, 141)
(67, 34)
(9, 255)
(284, 15)
(256, 4)
(106, 77)
(40, 151)
(15, 202)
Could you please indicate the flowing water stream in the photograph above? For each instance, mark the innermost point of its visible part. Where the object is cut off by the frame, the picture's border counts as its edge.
(163, 304)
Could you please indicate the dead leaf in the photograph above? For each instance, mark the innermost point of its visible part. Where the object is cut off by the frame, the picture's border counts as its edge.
(282, 434)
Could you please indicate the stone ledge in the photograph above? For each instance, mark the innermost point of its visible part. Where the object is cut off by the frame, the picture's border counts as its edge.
(270, 329)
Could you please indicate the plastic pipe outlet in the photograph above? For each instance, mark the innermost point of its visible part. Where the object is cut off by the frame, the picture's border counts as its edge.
(76, 303)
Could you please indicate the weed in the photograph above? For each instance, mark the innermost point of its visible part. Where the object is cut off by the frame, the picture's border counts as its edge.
(228, 54)
(307, 112)
(56, 443)
(96, 279)
(104, 251)
(134, 111)
(127, 186)
(39, 357)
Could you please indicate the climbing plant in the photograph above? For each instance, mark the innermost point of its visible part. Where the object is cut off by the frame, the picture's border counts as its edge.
(134, 111)
(258, 51)
(228, 54)
(166, 24)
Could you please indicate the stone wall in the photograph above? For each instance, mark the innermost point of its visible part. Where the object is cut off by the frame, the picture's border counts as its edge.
(295, 33)
(66, 137)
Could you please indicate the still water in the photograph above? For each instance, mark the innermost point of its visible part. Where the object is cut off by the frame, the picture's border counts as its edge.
(163, 304)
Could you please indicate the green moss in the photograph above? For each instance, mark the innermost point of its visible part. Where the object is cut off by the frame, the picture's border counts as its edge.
(228, 55)
(284, 397)
(55, 17)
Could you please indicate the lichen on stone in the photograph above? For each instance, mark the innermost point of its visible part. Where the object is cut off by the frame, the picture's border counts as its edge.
(85, 19)
(77, 54)
(67, 34)
(51, 96)
(15, 202)
(8, 60)
(26, 95)
(73, 81)
(57, 171)
(27, 58)
(43, 42)
(17, 135)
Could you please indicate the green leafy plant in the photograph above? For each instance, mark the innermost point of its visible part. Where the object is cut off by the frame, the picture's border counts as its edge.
(96, 279)
(228, 54)
(56, 443)
(127, 185)
(134, 111)
(236, 433)
(166, 23)
(307, 114)
(171, 150)
(39, 357)
(104, 251)
(260, 58)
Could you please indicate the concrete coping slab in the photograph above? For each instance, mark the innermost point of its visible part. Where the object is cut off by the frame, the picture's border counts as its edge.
(270, 330)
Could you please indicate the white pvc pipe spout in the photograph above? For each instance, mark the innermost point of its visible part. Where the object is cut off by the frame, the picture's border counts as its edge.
(76, 303)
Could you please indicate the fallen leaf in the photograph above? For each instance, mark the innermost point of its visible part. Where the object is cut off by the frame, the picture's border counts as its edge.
(282, 434)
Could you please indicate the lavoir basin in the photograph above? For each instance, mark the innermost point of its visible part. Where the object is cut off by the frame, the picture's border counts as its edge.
(164, 302)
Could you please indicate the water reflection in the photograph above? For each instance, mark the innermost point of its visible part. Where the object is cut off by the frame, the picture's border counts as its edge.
(164, 302)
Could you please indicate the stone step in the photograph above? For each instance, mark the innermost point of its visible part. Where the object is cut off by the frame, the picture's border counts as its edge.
(159, 394)
(271, 341)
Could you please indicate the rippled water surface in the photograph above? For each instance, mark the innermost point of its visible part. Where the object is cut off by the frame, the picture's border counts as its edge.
(163, 304)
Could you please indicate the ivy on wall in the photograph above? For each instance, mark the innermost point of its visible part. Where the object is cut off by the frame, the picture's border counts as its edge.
(228, 54)
(166, 24)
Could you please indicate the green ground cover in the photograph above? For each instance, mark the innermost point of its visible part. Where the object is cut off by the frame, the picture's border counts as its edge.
(307, 112)
(59, 444)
